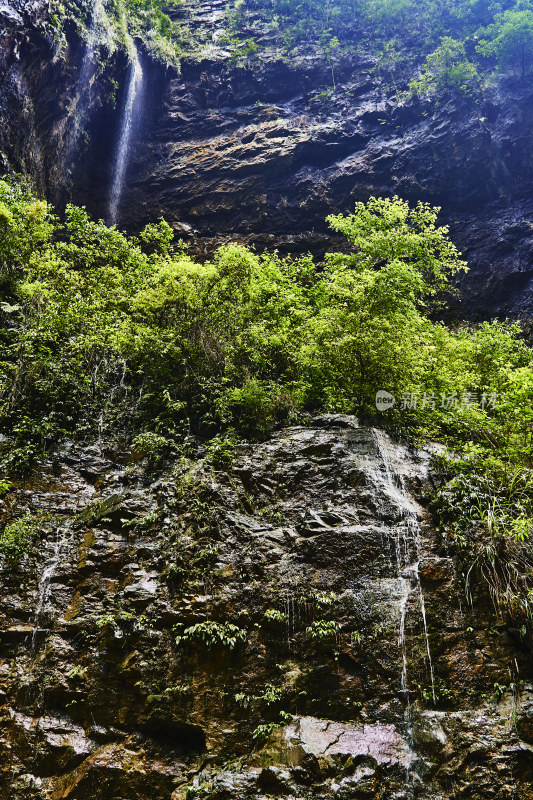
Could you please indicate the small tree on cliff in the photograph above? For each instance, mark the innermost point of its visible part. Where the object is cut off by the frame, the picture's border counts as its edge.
(371, 330)
(447, 69)
(510, 40)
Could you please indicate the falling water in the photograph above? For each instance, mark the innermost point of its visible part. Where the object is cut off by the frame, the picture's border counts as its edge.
(423, 607)
(408, 533)
(135, 80)
(406, 591)
(43, 589)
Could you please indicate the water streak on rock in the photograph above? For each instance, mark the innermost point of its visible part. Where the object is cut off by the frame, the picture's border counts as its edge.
(129, 118)
(407, 540)
(43, 588)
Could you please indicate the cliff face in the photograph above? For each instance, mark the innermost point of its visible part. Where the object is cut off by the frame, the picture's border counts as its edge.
(262, 148)
(289, 627)
(288, 623)
(252, 154)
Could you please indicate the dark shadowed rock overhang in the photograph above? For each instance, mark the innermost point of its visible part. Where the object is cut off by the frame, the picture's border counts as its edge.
(262, 150)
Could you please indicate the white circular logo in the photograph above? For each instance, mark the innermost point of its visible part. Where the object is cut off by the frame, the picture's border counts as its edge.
(384, 400)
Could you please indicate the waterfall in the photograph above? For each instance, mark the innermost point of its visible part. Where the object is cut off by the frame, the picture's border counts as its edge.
(408, 556)
(98, 26)
(43, 588)
(129, 115)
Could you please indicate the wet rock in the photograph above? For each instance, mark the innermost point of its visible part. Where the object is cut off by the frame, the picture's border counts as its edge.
(325, 738)
(306, 670)
(524, 714)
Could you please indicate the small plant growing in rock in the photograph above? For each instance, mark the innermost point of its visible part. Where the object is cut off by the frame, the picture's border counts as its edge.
(77, 672)
(262, 732)
(213, 634)
(221, 452)
(275, 615)
(18, 537)
(325, 599)
(149, 443)
(106, 621)
(322, 629)
(128, 619)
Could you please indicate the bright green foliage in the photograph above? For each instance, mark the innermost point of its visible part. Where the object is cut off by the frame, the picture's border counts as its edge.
(486, 511)
(401, 33)
(411, 29)
(275, 615)
(148, 20)
(330, 45)
(509, 41)
(270, 696)
(325, 599)
(390, 235)
(262, 732)
(322, 629)
(213, 634)
(133, 339)
(370, 330)
(221, 452)
(134, 336)
(17, 538)
(447, 69)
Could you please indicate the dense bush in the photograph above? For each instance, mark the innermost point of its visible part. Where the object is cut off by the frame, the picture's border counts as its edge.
(130, 338)
(132, 335)
(17, 538)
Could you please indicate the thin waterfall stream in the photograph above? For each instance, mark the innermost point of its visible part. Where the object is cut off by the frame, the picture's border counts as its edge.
(43, 587)
(407, 562)
(129, 117)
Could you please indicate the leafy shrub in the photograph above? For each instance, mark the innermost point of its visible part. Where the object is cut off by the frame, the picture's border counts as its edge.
(485, 511)
(17, 538)
(275, 615)
(262, 732)
(221, 452)
(509, 40)
(447, 68)
(325, 599)
(322, 629)
(213, 634)
(153, 447)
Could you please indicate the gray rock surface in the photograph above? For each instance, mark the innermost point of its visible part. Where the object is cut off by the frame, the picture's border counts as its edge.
(121, 676)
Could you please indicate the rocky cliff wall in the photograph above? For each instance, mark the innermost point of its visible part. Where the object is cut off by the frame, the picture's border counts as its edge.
(261, 148)
(289, 626)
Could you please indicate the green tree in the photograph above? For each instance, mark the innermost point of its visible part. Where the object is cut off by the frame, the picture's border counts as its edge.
(510, 40)
(330, 46)
(447, 69)
(370, 331)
